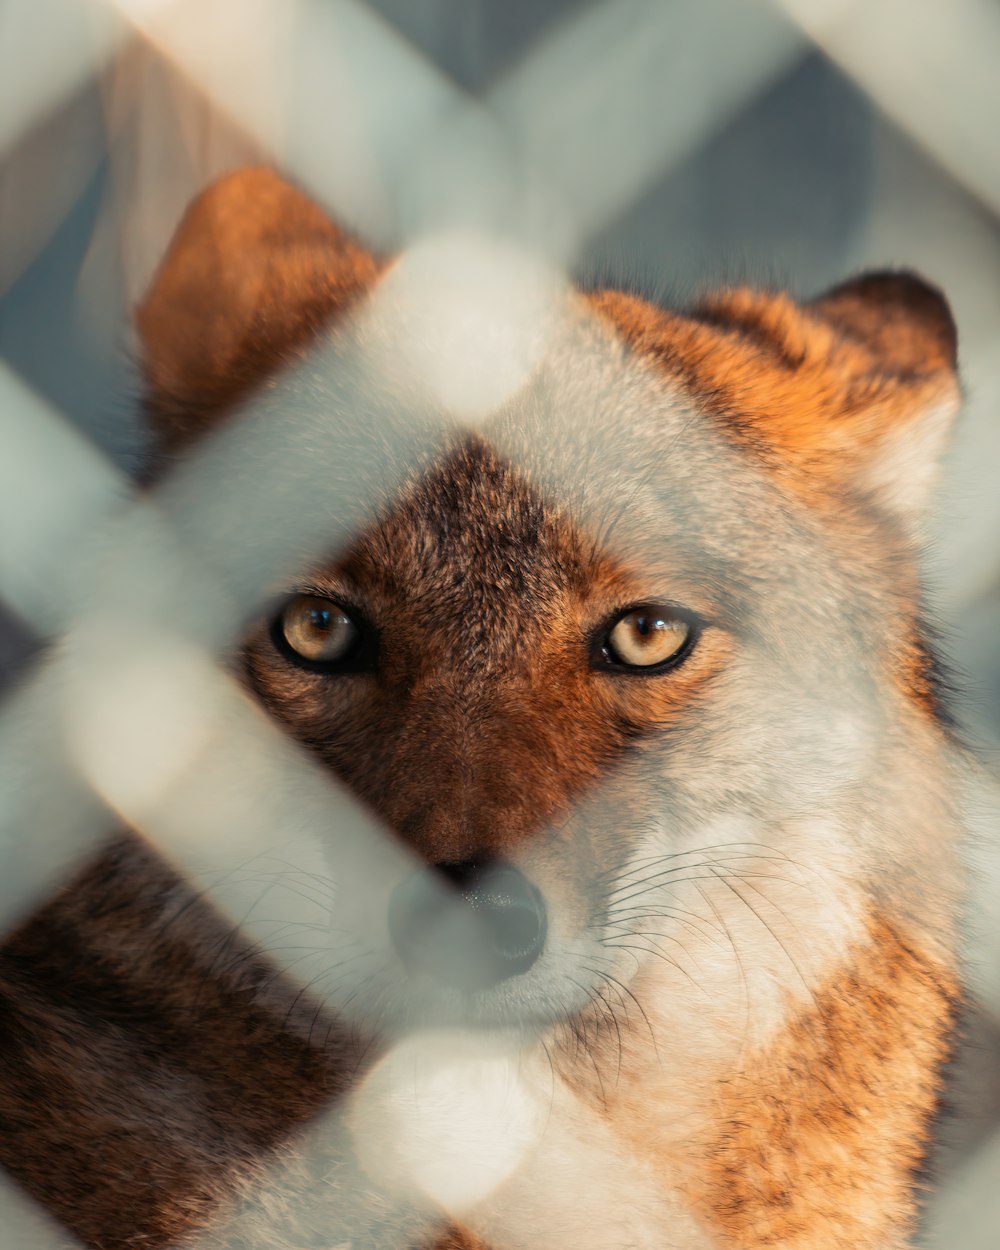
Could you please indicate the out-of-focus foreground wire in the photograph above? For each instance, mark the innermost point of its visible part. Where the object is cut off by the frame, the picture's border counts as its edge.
(502, 188)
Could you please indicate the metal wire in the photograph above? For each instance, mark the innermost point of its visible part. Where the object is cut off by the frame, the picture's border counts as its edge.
(502, 188)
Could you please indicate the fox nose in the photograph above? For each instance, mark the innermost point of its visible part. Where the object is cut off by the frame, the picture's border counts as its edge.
(491, 927)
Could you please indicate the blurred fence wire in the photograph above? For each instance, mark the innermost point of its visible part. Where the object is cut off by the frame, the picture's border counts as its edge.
(515, 183)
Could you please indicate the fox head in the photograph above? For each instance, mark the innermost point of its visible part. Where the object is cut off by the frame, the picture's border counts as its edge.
(637, 667)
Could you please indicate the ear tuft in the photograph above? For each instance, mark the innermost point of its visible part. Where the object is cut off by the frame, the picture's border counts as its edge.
(253, 273)
(903, 319)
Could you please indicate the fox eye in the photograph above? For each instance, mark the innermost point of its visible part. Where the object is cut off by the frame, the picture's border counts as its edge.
(650, 637)
(316, 630)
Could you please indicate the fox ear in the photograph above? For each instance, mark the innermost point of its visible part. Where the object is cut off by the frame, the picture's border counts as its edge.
(856, 388)
(902, 318)
(907, 327)
(253, 272)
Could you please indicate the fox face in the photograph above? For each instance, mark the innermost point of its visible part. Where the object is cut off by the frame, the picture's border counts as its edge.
(633, 668)
(498, 671)
(512, 697)
(626, 668)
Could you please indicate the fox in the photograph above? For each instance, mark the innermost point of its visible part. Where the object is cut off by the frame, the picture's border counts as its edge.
(638, 671)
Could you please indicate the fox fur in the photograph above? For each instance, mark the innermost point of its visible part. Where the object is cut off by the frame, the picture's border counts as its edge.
(738, 1024)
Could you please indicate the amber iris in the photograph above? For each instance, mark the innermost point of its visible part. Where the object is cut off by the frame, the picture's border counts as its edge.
(646, 637)
(318, 629)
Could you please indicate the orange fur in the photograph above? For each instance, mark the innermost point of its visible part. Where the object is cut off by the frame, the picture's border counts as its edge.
(814, 1143)
(813, 402)
(253, 318)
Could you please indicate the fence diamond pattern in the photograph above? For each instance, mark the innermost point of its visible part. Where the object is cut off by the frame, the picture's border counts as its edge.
(502, 186)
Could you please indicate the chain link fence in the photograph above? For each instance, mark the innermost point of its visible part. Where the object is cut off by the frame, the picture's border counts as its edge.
(659, 143)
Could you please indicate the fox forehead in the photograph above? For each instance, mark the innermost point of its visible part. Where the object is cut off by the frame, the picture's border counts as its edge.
(471, 530)
(481, 561)
(645, 503)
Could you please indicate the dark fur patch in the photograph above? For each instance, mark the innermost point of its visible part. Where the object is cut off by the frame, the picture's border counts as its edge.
(141, 1072)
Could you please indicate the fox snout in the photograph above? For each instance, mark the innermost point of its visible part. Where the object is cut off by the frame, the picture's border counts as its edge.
(468, 925)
